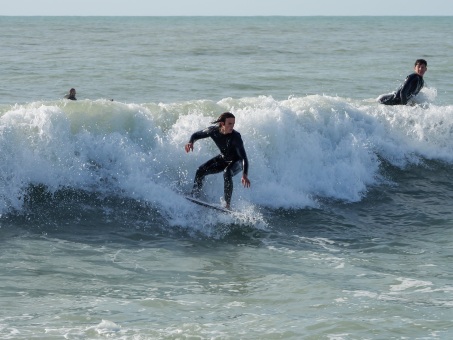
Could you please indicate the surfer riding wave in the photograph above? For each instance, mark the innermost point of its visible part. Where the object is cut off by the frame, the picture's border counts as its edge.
(231, 160)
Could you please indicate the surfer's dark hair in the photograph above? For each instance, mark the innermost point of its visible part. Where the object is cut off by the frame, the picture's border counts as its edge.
(223, 117)
(421, 62)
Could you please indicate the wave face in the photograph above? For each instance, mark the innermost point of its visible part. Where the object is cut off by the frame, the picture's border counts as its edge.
(301, 150)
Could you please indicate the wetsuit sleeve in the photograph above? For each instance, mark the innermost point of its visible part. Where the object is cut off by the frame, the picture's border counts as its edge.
(243, 155)
(408, 88)
(200, 135)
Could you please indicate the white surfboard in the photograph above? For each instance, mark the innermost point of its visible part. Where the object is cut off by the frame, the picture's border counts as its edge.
(209, 205)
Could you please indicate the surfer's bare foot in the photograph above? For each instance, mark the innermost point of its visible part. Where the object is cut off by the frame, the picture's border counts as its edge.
(227, 206)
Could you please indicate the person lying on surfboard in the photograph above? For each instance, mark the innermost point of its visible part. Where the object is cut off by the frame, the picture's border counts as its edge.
(232, 158)
(410, 88)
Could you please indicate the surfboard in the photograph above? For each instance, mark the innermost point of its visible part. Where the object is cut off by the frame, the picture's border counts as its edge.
(208, 205)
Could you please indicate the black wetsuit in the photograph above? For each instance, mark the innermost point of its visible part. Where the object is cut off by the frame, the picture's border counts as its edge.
(232, 159)
(70, 97)
(410, 88)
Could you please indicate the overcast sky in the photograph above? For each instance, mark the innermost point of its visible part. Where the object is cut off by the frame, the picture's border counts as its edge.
(226, 7)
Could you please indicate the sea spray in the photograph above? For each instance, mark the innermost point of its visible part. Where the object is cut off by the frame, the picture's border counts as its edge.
(300, 149)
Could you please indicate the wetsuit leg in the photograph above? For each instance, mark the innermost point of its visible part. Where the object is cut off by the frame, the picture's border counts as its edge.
(213, 166)
(230, 171)
(389, 99)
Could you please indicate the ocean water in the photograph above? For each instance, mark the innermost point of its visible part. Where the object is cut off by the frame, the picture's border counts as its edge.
(345, 233)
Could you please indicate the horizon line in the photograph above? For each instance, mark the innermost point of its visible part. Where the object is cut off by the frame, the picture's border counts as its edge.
(223, 15)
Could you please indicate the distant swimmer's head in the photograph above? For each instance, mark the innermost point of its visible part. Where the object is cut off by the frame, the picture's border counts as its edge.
(420, 67)
(226, 122)
(71, 95)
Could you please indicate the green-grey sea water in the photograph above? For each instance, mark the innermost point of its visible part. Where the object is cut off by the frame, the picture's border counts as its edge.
(345, 233)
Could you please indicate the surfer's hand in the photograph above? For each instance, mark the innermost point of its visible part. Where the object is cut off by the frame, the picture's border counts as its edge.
(188, 147)
(245, 181)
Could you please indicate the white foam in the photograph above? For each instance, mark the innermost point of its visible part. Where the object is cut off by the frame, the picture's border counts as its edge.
(300, 149)
(106, 327)
(408, 284)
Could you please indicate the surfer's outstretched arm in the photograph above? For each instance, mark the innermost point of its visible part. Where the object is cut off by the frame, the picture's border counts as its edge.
(245, 181)
(188, 147)
(196, 136)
